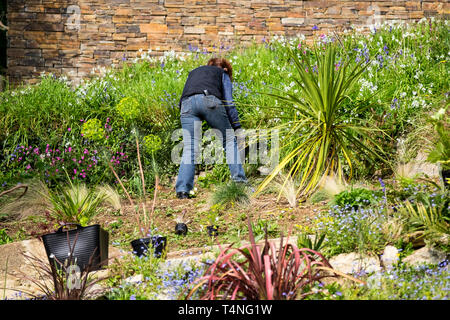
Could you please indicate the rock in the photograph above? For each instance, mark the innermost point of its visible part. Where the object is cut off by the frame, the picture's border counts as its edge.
(352, 263)
(416, 239)
(426, 255)
(389, 256)
(137, 278)
(264, 171)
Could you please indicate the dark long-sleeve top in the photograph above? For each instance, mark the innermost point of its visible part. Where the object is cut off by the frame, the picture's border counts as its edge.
(232, 113)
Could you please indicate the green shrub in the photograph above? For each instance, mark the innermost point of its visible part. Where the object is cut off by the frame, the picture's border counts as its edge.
(354, 198)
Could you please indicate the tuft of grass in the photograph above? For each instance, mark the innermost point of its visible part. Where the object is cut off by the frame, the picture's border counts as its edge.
(286, 186)
(231, 193)
(319, 196)
(112, 197)
(31, 203)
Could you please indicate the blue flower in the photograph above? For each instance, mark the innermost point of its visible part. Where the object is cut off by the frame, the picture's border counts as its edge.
(315, 28)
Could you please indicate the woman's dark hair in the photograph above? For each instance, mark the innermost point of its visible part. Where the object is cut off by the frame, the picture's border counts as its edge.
(222, 63)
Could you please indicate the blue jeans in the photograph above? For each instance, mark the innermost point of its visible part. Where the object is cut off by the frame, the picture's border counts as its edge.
(194, 109)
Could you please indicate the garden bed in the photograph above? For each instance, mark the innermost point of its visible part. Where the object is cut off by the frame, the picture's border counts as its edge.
(108, 144)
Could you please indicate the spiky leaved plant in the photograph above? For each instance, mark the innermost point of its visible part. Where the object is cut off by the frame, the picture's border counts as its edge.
(320, 138)
(252, 273)
(74, 204)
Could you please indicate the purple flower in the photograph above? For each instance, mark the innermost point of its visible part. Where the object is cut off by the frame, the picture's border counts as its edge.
(315, 28)
(69, 129)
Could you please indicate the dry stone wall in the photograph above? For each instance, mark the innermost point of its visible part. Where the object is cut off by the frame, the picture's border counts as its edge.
(73, 37)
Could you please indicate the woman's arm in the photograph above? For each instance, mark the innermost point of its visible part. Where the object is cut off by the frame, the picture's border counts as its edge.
(232, 113)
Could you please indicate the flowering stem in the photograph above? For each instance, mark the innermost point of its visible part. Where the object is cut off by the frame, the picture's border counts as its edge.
(121, 184)
(154, 196)
(140, 168)
(141, 171)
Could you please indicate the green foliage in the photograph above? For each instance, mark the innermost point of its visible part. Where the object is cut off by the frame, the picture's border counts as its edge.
(405, 79)
(93, 130)
(354, 198)
(75, 204)
(304, 241)
(429, 214)
(263, 227)
(213, 214)
(156, 281)
(319, 196)
(231, 193)
(441, 149)
(4, 237)
(349, 230)
(402, 283)
(128, 109)
(152, 143)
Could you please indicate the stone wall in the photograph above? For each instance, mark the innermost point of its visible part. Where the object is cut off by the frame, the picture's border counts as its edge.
(72, 37)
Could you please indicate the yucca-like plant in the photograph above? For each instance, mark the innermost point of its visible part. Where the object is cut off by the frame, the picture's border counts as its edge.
(319, 137)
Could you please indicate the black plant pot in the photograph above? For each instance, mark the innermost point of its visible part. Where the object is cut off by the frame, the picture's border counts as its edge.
(141, 246)
(212, 230)
(445, 175)
(89, 244)
(181, 229)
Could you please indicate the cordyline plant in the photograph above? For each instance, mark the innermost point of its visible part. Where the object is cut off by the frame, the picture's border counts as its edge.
(320, 138)
(264, 274)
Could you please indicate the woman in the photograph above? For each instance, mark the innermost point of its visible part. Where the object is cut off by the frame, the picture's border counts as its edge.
(207, 95)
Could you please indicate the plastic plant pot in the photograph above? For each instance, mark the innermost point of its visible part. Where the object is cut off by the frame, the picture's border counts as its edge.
(181, 229)
(212, 231)
(140, 246)
(89, 244)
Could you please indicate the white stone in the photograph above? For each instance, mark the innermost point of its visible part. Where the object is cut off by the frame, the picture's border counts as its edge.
(264, 171)
(425, 255)
(351, 263)
(134, 279)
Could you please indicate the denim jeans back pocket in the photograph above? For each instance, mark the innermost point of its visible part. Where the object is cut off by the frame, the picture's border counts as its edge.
(211, 101)
(185, 107)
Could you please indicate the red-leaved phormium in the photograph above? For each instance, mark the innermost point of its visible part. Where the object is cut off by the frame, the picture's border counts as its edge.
(268, 273)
